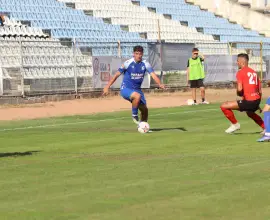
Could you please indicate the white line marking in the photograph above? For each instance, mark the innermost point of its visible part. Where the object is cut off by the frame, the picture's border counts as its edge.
(100, 120)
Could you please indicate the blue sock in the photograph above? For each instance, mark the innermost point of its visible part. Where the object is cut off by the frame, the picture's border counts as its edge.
(134, 111)
(267, 122)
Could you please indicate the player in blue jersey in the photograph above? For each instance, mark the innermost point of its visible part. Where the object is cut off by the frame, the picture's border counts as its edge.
(266, 112)
(134, 71)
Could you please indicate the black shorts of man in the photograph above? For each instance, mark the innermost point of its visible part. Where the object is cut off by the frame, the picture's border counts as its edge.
(196, 75)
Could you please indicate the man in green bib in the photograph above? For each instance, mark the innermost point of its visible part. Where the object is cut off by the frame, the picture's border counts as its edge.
(195, 75)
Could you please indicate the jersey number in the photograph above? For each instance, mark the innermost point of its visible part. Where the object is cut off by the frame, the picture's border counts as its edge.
(253, 80)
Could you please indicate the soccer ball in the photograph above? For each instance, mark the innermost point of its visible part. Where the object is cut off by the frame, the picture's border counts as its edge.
(143, 127)
(190, 102)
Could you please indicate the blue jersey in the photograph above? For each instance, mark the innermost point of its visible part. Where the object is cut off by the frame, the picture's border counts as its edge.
(268, 101)
(134, 73)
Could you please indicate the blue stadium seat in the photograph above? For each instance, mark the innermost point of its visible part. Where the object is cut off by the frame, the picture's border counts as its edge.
(64, 22)
(197, 18)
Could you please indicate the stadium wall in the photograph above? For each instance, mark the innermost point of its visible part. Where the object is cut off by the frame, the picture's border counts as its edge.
(16, 100)
(60, 70)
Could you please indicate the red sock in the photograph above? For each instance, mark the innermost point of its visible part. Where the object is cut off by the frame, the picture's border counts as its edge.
(258, 120)
(229, 114)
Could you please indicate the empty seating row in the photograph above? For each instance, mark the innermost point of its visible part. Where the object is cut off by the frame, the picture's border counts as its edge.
(45, 73)
(15, 54)
(230, 32)
(49, 16)
(101, 35)
(233, 38)
(32, 3)
(162, 28)
(123, 12)
(113, 51)
(39, 9)
(47, 61)
(51, 24)
(48, 51)
(181, 36)
(21, 31)
(10, 61)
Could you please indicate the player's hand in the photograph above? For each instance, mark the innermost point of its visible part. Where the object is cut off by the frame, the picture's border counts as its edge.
(162, 86)
(105, 91)
(201, 55)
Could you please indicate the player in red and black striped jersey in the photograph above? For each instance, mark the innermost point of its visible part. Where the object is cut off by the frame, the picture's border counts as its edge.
(249, 88)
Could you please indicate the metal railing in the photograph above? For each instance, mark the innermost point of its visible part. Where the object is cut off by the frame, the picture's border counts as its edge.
(53, 67)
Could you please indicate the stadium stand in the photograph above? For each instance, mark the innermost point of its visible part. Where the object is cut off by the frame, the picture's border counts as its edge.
(63, 21)
(39, 56)
(195, 17)
(140, 19)
(39, 27)
(42, 59)
(244, 16)
(124, 12)
(257, 5)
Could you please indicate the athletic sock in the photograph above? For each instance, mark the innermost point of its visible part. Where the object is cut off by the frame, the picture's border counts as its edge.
(257, 119)
(229, 114)
(203, 99)
(134, 112)
(195, 101)
(267, 123)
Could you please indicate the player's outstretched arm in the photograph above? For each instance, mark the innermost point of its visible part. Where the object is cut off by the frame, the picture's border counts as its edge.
(157, 80)
(106, 88)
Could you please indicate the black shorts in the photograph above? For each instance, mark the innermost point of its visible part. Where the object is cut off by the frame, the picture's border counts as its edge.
(198, 83)
(249, 106)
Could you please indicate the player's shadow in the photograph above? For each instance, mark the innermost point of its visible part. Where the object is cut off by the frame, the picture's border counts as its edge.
(245, 133)
(169, 129)
(18, 154)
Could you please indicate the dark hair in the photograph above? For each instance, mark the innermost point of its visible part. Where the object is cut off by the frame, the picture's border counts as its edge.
(195, 49)
(243, 55)
(2, 19)
(138, 48)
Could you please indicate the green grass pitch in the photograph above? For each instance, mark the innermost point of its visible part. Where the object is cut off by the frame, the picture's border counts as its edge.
(99, 167)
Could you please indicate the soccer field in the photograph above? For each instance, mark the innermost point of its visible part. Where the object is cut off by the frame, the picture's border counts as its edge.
(99, 167)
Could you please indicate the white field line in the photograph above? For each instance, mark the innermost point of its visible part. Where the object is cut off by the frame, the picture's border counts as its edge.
(100, 120)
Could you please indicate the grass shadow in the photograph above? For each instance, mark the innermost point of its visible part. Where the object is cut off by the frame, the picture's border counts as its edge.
(18, 154)
(169, 129)
(245, 133)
